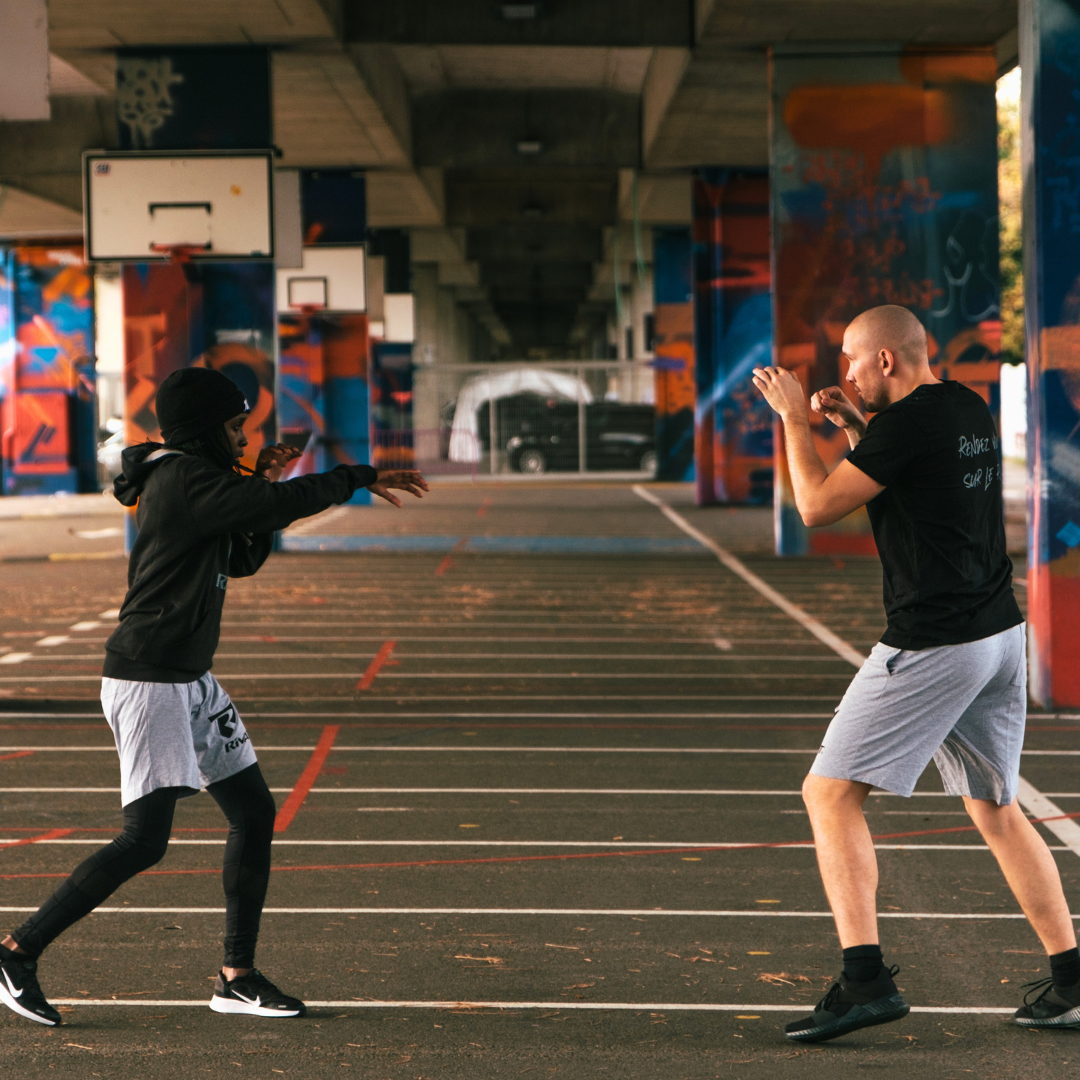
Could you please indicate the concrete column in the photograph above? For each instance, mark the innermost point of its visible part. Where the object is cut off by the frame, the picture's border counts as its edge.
(426, 354)
(1049, 48)
(733, 334)
(674, 361)
(884, 191)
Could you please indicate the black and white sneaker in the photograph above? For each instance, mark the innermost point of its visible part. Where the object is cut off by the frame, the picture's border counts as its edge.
(20, 992)
(253, 994)
(850, 1005)
(1054, 1007)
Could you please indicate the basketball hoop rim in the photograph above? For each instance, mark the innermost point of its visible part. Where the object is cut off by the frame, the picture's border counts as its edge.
(179, 253)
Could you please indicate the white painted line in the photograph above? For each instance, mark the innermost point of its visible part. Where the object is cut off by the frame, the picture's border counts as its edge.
(16, 658)
(91, 624)
(112, 613)
(563, 1006)
(736, 566)
(659, 913)
(735, 792)
(666, 657)
(318, 521)
(383, 675)
(1039, 806)
(263, 749)
(51, 640)
(722, 643)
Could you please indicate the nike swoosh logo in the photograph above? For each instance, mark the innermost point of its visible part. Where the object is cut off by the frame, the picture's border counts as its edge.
(14, 993)
(256, 1001)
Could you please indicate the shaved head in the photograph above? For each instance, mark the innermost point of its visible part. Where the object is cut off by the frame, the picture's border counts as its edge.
(886, 353)
(894, 328)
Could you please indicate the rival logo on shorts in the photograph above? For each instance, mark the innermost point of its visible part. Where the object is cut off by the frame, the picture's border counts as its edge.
(232, 744)
(226, 721)
(222, 581)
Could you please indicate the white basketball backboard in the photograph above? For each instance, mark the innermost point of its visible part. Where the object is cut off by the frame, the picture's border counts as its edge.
(331, 279)
(139, 206)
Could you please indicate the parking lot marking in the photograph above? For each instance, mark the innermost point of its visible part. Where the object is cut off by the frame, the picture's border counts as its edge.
(307, 779)
(382, 658)
(736, 566)
(579, 1006)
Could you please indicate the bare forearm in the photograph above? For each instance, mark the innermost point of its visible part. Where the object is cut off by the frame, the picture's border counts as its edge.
(807, 470)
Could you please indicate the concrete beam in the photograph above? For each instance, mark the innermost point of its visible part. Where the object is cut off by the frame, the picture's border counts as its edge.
(481, 22)
(437, 245)
(663, 198)
(534, 242)
(486, 197)
(26, 216)
(478, 129)
(326, 113)
(43, 157)
(402, 199)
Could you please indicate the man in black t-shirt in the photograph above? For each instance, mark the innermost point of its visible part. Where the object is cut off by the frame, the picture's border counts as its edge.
(948, 679)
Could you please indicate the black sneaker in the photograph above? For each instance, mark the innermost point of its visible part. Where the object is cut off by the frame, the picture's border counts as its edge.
(1056, 1006)
(20, 992)
(253, 994)
(851, 1005)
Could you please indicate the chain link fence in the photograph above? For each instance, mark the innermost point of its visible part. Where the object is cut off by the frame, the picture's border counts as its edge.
(535, 418)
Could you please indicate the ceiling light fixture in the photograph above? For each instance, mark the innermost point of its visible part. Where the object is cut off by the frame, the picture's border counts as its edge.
(530, 146)
(520, 12)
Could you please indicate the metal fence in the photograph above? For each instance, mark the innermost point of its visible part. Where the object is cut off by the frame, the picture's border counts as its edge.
(535, 418)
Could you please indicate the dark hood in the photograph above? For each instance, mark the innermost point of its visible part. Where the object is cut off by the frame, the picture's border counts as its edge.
(139, 462)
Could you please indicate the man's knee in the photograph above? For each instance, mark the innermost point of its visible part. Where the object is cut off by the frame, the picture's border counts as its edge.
(146, 848)
(824, 793)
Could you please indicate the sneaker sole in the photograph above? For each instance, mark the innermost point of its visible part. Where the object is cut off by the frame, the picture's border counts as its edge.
(13, 1004)
(882, 1011)
(232, 1007)
(1070, 1019)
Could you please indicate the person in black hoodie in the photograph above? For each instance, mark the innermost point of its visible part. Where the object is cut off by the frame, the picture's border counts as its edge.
(200, 523)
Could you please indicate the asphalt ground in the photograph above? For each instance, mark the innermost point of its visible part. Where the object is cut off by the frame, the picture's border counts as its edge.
(539, 815)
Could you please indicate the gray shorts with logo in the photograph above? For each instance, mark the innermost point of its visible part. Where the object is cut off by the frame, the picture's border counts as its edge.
(185, 735)
(962, 706)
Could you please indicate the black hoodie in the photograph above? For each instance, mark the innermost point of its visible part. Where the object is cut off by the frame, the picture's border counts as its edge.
(199, 525)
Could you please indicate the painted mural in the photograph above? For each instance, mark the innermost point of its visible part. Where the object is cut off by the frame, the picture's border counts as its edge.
(392, 406)
(733, 334)
(47, 371)
(673, 349)
(323, 400)
(884, 191)
(1052, 312)
(216, 315)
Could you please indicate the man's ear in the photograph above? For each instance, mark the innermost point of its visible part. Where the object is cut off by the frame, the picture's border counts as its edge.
(888, 362)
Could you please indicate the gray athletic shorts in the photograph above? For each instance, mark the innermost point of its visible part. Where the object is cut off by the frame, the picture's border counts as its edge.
(184, 735)
(964, 706)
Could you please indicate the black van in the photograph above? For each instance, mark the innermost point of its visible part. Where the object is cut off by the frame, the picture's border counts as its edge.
(540, 434)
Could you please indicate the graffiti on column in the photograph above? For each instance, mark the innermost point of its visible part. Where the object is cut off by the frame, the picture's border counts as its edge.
(1052, 311)
(323, 391)
(884, 191)
(673, 321)
(47, 371)
(392, 406)
(219, 316)
(733, 334)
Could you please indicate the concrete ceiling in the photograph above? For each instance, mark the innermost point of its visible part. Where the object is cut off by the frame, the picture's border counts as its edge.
(438, 100)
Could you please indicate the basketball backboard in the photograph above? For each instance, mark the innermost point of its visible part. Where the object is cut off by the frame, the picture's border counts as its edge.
(331, 279)
(140, 206)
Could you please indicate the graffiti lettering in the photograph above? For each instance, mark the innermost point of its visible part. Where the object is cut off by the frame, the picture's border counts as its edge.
(974, 446)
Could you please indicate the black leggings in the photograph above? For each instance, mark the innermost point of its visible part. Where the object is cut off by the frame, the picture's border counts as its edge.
(249, 808)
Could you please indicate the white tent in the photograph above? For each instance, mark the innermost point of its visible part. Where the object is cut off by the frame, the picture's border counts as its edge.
(465, 434)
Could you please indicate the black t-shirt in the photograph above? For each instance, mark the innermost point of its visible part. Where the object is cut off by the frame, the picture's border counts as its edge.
(939, 524)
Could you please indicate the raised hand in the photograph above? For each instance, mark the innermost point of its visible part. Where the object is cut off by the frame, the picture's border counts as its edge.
(834, 405)
(273, 459)
(408, 480)
(782, 390)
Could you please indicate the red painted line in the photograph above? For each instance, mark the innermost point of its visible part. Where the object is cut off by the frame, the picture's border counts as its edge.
(382, 657)
(52, 834)
(307, 778)
(21, 753)
(549, 858)
(448, 561)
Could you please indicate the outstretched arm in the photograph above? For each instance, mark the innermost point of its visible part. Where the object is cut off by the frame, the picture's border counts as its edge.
(821, 497)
